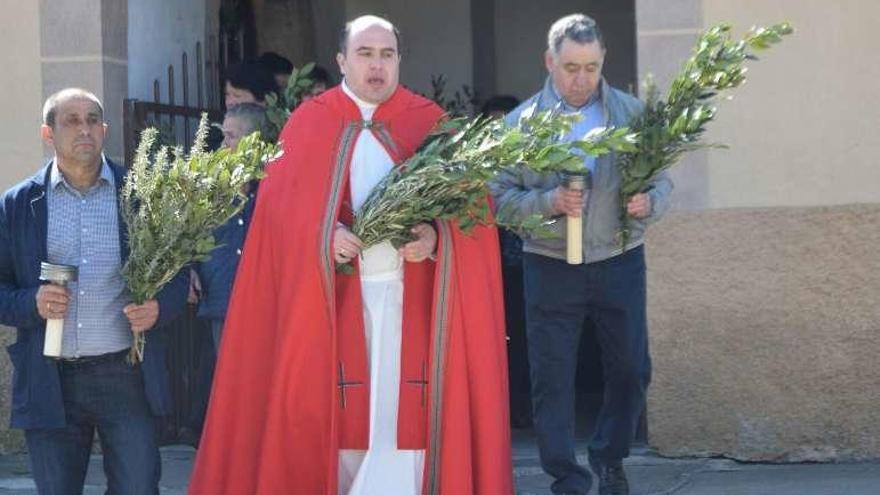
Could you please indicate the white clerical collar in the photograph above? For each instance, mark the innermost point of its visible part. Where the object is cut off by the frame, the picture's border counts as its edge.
(365, 106)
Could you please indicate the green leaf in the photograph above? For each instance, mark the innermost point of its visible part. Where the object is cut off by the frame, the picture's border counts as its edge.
(672, 126)
(170, 203)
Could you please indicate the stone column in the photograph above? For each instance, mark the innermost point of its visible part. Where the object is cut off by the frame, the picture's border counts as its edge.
(22, 92)
(84, 43)
(666, 33)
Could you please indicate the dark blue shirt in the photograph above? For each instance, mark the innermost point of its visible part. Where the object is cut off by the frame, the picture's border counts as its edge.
(218, 273)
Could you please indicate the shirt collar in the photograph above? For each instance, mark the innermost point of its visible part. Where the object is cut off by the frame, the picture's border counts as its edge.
(553, 93)
(363, 105)
(56, 178)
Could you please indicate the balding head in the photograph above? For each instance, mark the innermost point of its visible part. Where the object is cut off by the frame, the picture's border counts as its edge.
(369, 58)
(50, 107)
(73, 124)
(363, 22)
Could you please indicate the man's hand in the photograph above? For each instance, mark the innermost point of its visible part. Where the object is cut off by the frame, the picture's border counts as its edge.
(195, 287)
(568, 202)
(346, 246)
(142, 316)
(52, 301)
(423, 247)
(639, 206)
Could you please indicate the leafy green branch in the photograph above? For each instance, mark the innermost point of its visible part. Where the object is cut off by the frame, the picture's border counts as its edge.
(171, 203)
(670, 127)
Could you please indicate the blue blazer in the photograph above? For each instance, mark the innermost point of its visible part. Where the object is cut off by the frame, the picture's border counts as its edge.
(36, 386)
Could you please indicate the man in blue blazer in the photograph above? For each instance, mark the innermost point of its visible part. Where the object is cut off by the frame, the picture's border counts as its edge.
(68, 213)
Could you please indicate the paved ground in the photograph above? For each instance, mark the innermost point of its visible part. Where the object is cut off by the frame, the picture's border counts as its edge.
(649, 475)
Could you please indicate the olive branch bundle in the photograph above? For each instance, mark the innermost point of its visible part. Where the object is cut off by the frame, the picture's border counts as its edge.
(172, 202)
(447, 177)
(670, 127)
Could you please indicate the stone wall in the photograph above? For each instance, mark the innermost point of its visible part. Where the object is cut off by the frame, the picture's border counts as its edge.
(764, 283)
(765, 332)
(11, 441)
(22, 95)
(84, 43)
(160, 31)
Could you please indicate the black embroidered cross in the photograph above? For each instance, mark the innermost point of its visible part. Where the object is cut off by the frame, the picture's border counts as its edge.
(423, 382)
(342, 384)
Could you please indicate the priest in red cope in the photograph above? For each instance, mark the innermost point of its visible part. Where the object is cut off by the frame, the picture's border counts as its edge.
(391, 380)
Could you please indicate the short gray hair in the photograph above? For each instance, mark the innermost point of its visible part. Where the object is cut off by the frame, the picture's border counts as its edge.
(576, 27)
(252, 114)
(50, 108)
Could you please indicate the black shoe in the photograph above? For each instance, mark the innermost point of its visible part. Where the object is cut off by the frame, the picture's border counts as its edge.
(612, 477)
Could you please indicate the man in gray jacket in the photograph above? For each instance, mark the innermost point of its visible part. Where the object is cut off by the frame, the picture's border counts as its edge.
(608, 289)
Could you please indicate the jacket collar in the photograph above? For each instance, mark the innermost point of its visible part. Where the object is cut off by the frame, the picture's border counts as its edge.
(39, 183)
(43, 177)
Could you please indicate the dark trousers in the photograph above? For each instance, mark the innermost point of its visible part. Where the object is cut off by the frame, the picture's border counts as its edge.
(559, 299)
(108, 396)
(517, 350)
(203, 366)
(217, 334)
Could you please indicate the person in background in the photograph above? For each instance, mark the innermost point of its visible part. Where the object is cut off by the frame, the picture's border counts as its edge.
(211, 281)
(321, 80)
(279, 66)
(248, 82)
(500, 105)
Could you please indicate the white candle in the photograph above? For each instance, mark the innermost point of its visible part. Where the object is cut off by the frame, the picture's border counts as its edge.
(574, 226)
(54, 334)
(575, 247)
(58, 275)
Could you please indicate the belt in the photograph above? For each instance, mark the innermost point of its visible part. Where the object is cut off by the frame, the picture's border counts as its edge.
(90, 360)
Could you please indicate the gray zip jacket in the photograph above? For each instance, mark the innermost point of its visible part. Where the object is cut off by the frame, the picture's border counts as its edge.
(520, 193)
